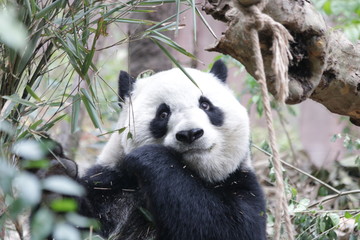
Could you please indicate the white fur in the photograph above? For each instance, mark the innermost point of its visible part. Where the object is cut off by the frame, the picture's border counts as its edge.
(215, 155)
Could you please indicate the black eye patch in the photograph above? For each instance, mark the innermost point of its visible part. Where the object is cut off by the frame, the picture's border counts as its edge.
(158, 126)
(216, 116)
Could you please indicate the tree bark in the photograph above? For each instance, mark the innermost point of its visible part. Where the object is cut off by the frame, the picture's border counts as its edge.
(143, 53)
(325, 65)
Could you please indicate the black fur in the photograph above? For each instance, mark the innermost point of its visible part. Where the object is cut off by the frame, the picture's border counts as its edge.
(125, 85)
(214, 113)
(158, 126)
(220, 71)
(184, 207)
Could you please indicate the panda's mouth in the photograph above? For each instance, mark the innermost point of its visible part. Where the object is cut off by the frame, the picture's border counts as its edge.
(199, 150)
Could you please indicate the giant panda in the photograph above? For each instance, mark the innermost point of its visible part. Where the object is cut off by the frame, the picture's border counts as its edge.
(179, 168)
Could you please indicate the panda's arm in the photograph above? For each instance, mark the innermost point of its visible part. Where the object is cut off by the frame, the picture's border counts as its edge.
(102, 184)
(183, 208)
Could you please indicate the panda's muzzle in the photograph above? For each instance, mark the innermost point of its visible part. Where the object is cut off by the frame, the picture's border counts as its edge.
(189, 136)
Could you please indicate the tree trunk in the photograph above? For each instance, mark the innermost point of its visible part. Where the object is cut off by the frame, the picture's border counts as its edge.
(144, 54)
(325, 65)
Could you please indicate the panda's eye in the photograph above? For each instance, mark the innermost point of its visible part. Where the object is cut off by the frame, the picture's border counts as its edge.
(205, 105)
(164, 115)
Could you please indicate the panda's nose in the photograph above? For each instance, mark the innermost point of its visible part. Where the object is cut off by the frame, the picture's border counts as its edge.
(189, 136)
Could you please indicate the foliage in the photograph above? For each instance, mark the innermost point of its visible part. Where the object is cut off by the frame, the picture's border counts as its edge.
(22, 190)
(345, 14)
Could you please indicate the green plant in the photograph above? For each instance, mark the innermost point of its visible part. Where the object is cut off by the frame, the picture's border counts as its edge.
(346, 15)
(49, 68)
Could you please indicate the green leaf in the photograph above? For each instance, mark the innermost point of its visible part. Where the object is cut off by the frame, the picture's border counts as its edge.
(12, 32)
(335, 137)
(322, 225)
(302, 206)
(75, 111)
(7, 173)
(5, 112)
(16, 99)
(50, 124)
(89, 56)
(29, 149)
(147, 214)
(29, 188)
(135, 21)
(174, 61)
(178, 5)
(46, 11)
(335, 218)
(121, 130)
(37, 164)
(90, 108)
(168, 41)
(323, 191)
(34, 125)
(6, 127)
(63, 185)
(260, 108)
(42, 224)
(129, 135)
(294, 192)
(64, 205)
(163, 24)
(206, 23)
(357, 161)
(348, 215)
(64, 231)
(193, 8)
(32, 93)
(327, 7)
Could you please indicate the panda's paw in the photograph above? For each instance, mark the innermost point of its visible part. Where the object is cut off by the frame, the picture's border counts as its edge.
(149, 157)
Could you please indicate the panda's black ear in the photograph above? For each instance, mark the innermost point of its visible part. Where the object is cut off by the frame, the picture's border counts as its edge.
(126, 83)
(220, 71)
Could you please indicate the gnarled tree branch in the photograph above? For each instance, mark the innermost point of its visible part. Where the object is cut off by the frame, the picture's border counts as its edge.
(325, 65)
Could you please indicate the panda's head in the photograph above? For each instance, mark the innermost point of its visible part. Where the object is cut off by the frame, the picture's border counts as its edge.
(203, 121)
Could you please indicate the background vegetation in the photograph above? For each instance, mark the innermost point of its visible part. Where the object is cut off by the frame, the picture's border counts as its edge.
(58, 65)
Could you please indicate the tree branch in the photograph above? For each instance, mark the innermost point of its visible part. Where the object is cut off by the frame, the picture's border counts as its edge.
(325, 65)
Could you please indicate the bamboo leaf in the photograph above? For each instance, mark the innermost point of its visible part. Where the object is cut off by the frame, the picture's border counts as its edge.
(90, 55)
(36, 124)
(177, 16)
(64, 205)
(75, 113)
(50, 124)
(13, 33)
(119, 131)
(32, 93)
(45, 11)
(135, 21)
(205, 22)
(174, 61)
(193, 8)
(5, 113)
(16, 99)
(90, 108)
(164, 22)
(28, 7)
(30, 48)
(63, 185)
(154, 2)
(162, 38)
